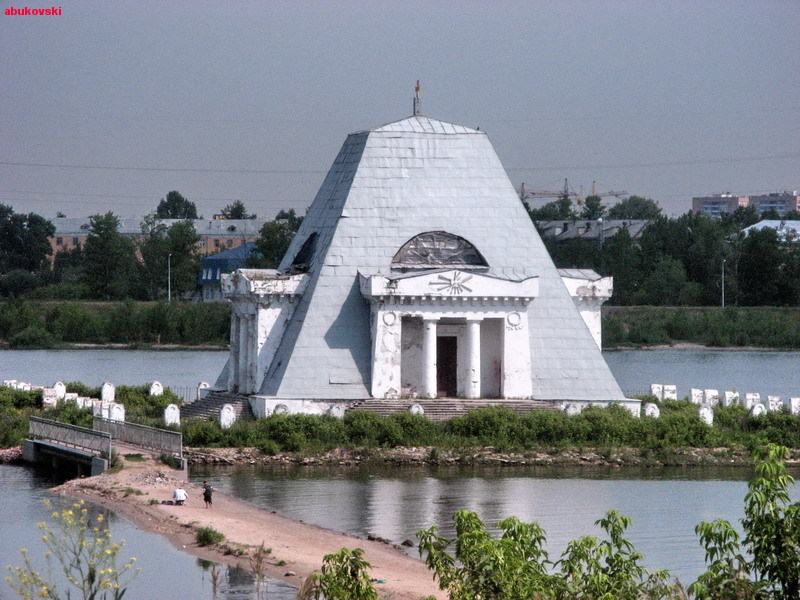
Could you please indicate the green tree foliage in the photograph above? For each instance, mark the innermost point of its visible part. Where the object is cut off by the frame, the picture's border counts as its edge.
(175, 206)
(765, 563)
(109, 259)
(635, 207)
(759, 269)
(344, 576)
(513, 567)
(274, 240)
(557, 210)
(176, 245)
(81, 547)
(237, 210)
(24, 242)
(593, 208)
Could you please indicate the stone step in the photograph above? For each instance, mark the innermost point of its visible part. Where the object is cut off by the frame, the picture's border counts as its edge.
(442, 409)
(210, 406)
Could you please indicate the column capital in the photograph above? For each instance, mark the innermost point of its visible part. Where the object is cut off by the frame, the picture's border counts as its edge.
(431, 318)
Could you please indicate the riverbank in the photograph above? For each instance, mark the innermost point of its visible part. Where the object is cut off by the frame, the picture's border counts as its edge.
(136, 493)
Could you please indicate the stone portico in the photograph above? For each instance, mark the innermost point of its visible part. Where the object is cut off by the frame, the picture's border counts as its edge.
(449, 333)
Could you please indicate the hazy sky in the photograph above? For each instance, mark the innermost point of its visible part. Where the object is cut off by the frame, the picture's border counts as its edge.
(252, 100)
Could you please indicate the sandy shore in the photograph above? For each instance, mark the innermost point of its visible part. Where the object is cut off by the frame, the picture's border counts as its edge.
(298, 546)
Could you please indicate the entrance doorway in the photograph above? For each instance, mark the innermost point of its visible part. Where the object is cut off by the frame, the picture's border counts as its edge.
(446, 367)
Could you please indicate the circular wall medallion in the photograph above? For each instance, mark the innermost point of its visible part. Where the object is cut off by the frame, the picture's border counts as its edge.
(514, 319)
(389, 318)
(280, 409)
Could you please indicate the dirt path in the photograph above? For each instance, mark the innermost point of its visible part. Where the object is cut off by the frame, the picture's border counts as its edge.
(299, 545)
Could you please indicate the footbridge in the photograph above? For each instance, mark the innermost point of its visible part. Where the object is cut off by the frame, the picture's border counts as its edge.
(84, 451)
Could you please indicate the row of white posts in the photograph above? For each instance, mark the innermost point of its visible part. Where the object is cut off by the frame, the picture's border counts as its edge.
(707, 399)
(101, 407)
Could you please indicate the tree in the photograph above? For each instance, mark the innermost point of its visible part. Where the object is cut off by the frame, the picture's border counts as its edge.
(593, 208)
(83, 549)
(558, 210)
(175, 206)
(236, 210)
(168, 252)
(764, 564)
(344, 576)
(635, 207)
(24, 241)
(274, 240)
(109, 259)
(760, 268)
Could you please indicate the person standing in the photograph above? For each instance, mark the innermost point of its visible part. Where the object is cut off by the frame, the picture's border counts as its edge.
(207, 489)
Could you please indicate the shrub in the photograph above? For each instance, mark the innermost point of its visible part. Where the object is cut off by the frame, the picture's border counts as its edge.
(208, 536)
(33, 336)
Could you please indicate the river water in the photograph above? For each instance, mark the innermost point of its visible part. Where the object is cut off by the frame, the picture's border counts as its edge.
(665, 504)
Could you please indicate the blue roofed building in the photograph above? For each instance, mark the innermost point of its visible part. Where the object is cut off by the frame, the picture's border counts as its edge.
(212, 268)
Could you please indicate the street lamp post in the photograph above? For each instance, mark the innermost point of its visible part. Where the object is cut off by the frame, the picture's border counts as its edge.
(723, 283)
(169, 278)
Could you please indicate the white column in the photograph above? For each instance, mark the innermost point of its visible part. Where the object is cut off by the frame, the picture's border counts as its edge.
(473, 370)
(429, 357)
(252, 353)
(244, 353)
(233, 360)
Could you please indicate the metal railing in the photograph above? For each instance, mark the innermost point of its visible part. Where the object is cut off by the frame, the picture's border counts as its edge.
(187, 392)
(160, 440)
(70, 435)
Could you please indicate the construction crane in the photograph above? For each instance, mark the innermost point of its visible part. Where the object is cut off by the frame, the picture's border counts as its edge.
(526, 194)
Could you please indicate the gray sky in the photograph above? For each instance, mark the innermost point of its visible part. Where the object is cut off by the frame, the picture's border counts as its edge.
(252, 100)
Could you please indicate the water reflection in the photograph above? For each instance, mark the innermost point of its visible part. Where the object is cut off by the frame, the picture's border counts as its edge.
(665, 503)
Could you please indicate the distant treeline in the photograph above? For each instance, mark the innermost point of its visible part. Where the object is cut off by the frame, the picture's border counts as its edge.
(32, 324)
(49, 324)
(762, 327)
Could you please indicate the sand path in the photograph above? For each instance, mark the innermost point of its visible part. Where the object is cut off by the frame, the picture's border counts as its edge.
(300, 545)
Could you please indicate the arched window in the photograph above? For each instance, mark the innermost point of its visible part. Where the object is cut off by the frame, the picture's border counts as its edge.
(302, 261)
(438, 249)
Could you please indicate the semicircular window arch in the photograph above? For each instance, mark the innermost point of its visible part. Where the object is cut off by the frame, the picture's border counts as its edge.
(438, 249)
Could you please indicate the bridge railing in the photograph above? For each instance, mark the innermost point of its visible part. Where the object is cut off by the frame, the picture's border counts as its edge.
(160, 440)
(70, 435)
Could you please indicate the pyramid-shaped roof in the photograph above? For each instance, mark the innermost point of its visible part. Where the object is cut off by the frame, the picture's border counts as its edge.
(386, 186)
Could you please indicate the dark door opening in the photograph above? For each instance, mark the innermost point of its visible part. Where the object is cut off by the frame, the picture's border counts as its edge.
(446, 367)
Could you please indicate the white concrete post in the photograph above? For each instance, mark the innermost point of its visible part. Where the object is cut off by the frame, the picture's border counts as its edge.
(429, 357)
(473, 370)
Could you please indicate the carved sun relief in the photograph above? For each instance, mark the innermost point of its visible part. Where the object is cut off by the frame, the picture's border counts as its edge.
(453, 284)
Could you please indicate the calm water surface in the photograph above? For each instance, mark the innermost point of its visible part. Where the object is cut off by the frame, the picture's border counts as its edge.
(121, 367)
(395, 503)
(768, 372)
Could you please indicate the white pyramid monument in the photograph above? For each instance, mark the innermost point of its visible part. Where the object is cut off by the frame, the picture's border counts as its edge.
(415, 273)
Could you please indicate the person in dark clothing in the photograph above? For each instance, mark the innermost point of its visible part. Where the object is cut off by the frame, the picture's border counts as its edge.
(207, 489)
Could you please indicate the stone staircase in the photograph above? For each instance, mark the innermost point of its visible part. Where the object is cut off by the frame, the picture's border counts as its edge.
(442, 409)
(210, 406)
